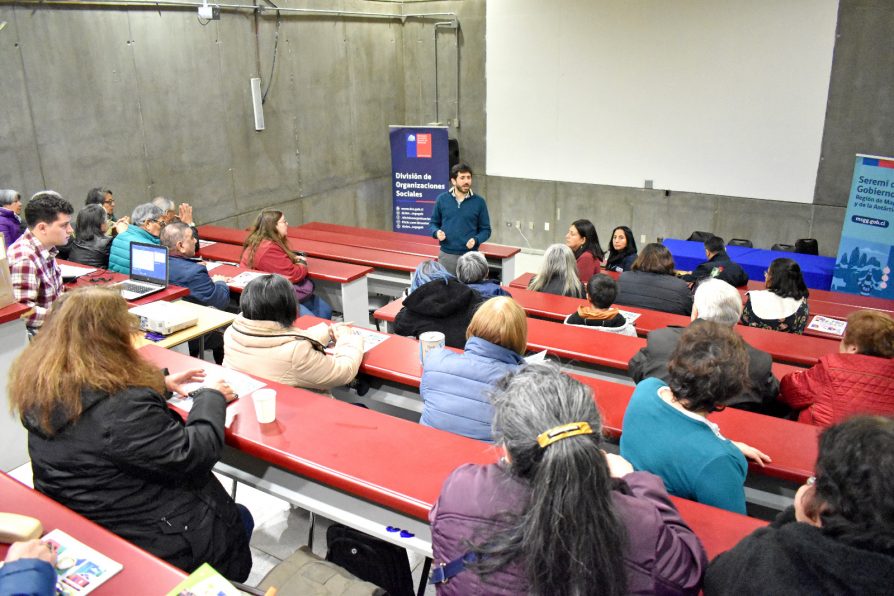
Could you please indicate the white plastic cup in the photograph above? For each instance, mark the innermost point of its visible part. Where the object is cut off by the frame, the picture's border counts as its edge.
(429, 341)
(265, 405)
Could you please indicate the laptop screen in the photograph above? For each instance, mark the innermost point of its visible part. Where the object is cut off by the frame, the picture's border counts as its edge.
(149, 262)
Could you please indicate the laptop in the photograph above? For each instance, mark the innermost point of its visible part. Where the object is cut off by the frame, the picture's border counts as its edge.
(148, 271)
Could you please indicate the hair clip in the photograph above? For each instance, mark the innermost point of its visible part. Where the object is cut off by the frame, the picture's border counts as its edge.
(557, 433)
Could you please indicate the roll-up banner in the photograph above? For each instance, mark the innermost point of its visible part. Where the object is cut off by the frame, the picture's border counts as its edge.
(420, 171)
(866, 252)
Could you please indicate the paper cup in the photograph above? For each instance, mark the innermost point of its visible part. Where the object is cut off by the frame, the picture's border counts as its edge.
(265, 405)
(429, 341)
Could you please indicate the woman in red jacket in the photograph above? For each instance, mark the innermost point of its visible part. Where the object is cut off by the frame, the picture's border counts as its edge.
(859, 379)
(584, 243)
(266, 249)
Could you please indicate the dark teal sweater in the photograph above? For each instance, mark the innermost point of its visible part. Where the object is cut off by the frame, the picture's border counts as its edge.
(460, 222)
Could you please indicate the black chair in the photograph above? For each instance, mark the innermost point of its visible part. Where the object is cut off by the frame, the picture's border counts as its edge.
(740, 242)
(807, 246)
(700, 236)
(783, 247)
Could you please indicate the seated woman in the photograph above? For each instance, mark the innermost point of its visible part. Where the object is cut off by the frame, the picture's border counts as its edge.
(90, 245)
(599, 313)
(558, 515)
(456, 387)
(267, 249)
(146, 225)
(472, 270)
(104, 443)
(783, 305)
(263, 342)
(584, 243)
(859, 379)
(441, 304)
(666, 430)
(558, 273)
(839, 536)
(622, 252)
(651, 283)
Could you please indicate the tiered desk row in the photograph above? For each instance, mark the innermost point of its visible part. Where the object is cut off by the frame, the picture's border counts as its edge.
(370, 470)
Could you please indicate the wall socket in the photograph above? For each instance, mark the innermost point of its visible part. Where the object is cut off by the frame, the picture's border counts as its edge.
(642, 239)
(531, 225)
(508, 224)
(546, 226)
(518, 224)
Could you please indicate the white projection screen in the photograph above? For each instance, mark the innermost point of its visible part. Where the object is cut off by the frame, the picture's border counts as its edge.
(710, 96)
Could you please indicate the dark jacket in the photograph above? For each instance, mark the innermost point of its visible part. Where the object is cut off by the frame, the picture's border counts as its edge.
(202, 290)
(10, 226)
(439, 306)
(93, 252)
(663, 555)
(655, 291)
(130, 464)
(456, 388)
(789, 557)
(719, 266)
(652, 360)
(619, 262)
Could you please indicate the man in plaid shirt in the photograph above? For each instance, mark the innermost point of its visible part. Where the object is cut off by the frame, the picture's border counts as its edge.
(36, 277)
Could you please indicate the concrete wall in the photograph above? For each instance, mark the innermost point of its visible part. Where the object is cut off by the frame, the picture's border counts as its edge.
(151, 102)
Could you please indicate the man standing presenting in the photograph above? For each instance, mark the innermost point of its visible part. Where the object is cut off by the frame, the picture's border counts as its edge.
(460, 220)
(36, 277)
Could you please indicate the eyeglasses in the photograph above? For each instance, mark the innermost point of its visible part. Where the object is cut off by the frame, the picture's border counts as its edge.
(108, 202)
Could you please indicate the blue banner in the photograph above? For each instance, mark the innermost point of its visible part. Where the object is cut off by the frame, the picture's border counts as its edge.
(420, 171)
(866, 252)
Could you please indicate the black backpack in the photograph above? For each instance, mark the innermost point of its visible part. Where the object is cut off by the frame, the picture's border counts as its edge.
(371, 559)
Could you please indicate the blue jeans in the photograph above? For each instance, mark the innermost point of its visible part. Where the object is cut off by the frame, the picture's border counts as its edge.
(316, 306)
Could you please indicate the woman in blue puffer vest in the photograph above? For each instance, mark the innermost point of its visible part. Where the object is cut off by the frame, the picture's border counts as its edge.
(456, 387)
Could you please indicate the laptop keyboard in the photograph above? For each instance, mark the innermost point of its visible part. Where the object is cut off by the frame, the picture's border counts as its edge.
(129, 286)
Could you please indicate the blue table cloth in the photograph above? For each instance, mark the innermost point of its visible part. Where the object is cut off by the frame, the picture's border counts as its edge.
(817, 270)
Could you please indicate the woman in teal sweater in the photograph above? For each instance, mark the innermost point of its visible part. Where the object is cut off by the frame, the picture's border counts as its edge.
(145, 226)
(666, 430)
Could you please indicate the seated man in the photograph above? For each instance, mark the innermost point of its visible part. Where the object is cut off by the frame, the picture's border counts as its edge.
(718, 265)
(203, 289)
(859, 379)
(716, 301)
(36, 277)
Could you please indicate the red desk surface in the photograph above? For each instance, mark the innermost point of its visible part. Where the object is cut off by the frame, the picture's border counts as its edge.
(336, 252)
(496, 251)
(390, 461)
(142, 574)
(170, 293)
(317, 268)
(364, 241)
(12, 312)
(792, 445)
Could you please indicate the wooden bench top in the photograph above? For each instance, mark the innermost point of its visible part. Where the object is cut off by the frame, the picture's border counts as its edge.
(379, 259)
(322, 269)
(791, 445)
(386, 460)
(495, 251)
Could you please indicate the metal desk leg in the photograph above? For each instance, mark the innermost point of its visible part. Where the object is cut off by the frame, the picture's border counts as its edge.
(507, 273)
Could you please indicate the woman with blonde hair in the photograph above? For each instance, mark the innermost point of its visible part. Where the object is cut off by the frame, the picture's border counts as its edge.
(558, 273)
(456, 387)
(104, 443)
(267, 249)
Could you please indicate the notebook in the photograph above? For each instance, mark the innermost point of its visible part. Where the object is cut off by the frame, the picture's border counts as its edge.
(148, 271)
